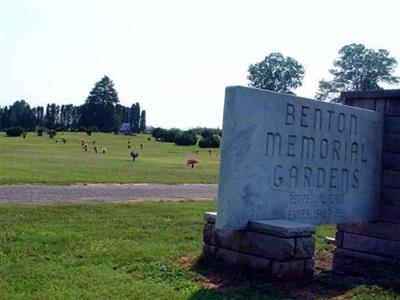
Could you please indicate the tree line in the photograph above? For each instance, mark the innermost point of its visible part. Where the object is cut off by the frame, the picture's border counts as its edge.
(357, 68)
(100, 112)
(209, 137)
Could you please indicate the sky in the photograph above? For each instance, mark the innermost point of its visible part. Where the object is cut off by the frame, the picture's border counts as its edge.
(176, 57)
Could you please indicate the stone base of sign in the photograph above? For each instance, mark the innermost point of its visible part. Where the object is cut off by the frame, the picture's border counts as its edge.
(281, 248)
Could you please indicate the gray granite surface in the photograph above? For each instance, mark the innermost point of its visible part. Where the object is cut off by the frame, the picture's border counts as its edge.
(291, 158)
(283, 228)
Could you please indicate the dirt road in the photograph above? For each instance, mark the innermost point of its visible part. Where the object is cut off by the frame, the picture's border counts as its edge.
(104, 193)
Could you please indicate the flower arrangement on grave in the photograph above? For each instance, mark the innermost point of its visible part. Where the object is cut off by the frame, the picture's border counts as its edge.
(191, 161)
(134, 154)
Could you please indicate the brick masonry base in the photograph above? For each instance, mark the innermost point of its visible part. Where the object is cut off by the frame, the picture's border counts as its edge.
(377, 241)
(279, 254)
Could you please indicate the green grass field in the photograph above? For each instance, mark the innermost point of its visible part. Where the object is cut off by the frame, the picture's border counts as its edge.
(42, 160)
(134, 251)
(131, 251)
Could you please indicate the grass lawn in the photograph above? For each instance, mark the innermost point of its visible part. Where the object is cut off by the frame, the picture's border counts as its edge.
(41, 160)
(131, 251)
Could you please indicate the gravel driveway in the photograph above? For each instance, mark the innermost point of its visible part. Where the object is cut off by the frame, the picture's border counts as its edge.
(105, 193)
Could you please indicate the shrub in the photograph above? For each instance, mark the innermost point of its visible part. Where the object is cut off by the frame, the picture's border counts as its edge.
(211, 142)
(92, 128)
(40, 131)
(88, 132)
(206, 132)
(51, 133)
(165, 135)
(157, 132)
(14, 131)
(82, 129)
(186, 138)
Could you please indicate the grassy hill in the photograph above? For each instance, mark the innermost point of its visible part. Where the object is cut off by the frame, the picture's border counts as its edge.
(42, 160)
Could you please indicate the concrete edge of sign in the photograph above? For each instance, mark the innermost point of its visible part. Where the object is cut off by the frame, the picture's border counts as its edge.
(282, 228)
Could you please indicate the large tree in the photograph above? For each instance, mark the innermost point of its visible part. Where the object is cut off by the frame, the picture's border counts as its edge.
(99, 108)
(123, 113)
(142, 127)
(358, 69)
(52, 116)
(135, 117)
(18, 114)
(67, 113)
(276, 73)
(38, 113)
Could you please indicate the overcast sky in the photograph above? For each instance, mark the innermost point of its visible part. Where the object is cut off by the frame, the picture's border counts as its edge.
(176, 57)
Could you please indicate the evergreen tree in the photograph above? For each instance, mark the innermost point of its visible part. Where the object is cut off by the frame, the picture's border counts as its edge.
(69, 115)
(135, 117)
(66, 116)
(99, 108)
(123, 113)
(63, 117)
(5, 120)
(143, 121)
(132, 115)
(75, 116)
(1, 118)
(39, 116)
(52, 116)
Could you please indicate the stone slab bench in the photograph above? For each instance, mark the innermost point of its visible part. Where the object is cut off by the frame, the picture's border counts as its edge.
(282, 248)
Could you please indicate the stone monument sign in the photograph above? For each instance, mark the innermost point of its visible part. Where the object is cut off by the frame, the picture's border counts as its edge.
(290, 158)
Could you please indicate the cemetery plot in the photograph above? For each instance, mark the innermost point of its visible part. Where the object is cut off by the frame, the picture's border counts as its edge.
(39, 159)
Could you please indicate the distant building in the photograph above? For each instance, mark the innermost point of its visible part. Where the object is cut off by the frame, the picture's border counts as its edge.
(125, 129)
